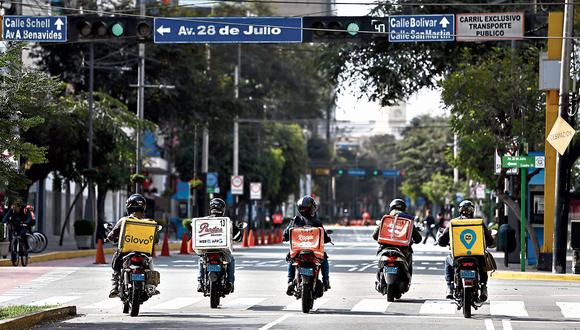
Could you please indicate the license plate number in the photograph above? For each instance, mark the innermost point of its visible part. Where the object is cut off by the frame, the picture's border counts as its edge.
(392, 270)
(214, 268)
(306, 271)
(469, 274)
(138, 277)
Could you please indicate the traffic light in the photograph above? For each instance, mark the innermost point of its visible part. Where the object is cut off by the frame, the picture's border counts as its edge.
(376, 172)
(339, 172)
(324, 28)
(99, 28)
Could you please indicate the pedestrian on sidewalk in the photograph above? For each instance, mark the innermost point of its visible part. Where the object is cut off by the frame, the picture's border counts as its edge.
(429, 226)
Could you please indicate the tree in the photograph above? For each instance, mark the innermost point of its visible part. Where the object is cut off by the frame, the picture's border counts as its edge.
(27, 96)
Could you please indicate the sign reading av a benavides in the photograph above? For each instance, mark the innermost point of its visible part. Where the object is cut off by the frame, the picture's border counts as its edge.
(490, 26)
(34, 28)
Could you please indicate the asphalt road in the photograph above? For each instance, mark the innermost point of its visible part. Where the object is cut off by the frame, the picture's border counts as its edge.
(259, 301)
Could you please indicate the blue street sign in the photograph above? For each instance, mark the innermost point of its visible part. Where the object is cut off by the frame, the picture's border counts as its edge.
(391, 173)
(34, 28)
(211, 180)
(422, 28)
(357, 172)
(228, 30)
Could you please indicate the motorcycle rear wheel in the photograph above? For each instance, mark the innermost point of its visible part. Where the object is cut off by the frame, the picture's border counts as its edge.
(391, 293)
(307, 298)
(214, 294)
(126, 307)
(467, 295)
(14, 254)
(135, 300)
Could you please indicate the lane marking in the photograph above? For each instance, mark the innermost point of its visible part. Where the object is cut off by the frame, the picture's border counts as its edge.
(371, 306)
(345, 266)
(243, 303)
(489, 324)
(570, 310)
(105, 304)
(506, 325)
(276, 322)
(177, 303)
(185, 261)
(508, 308)
(297, 305)
(353, 269)
(55, 300)
(365, 267)
(438, 307)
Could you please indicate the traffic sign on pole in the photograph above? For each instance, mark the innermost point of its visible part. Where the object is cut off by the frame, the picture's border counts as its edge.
(490, 26)
(255, 190)
(421, 28)
(522, 161)
(211, 182)
(228, 30)
(237, 184)
(34, 28)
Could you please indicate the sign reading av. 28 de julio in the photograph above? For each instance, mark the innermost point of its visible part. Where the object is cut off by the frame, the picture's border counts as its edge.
(228, 30)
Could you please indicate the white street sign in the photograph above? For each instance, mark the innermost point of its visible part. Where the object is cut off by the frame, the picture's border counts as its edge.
(489, 26)
(237, 184)
(540, 162)
(255, 190)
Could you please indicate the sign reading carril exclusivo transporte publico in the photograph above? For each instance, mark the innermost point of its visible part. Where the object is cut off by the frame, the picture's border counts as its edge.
(34, 28)
(421, 28)
(490, 26)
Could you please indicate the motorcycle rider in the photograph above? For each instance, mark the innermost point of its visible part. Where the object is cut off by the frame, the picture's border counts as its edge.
(135, 206)
(307, 208)
(397, 207)
(217, 208)
(466, 211)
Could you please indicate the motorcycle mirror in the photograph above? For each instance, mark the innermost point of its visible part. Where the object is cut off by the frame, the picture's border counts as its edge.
(329, 231)
(378, 222)
(159, 227)
(243, 225)
(108, 226)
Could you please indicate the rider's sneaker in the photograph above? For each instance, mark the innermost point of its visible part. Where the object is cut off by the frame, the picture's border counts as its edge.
(326, 285)
(290, 289)
(200, 287)
(229, 287)
(114, 293)
(483, 293)
(156, 292)
(449, 292)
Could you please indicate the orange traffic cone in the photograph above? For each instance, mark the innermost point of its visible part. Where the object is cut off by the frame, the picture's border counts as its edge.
(280, 236)
(245, 239)
(189, 247)
(100, 256)
(183, 249)
(165, 247)
(251, 239)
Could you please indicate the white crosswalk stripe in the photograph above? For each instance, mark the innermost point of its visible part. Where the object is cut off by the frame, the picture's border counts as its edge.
(55, 300)
(297, 305)
(570, 310)
(243, 303)
(508, 308)
(177, 303)
(438, 307)
(6, 298)
(371, 306)
(105, 304)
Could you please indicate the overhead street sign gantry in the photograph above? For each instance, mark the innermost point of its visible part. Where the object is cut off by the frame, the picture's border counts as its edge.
(34, 28)
(228, 30)
(421, 28)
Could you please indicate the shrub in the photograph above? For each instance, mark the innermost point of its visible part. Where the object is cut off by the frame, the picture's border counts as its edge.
(84, 227)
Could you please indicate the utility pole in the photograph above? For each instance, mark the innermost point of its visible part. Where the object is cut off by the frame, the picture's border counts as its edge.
(455, 152)
(140, 100)
(237, 73)
(560, 216)
(90, 211)
(205, 145)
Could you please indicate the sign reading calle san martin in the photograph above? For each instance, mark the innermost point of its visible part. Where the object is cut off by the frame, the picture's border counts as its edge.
(421, 28)
(228, 30)
(34, 28)
(490, 26)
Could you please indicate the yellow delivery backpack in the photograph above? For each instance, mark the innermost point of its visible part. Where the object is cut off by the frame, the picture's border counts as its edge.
(467, 237)
(137, 235)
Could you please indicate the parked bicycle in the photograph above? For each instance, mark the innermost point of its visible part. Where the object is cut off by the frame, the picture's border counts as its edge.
(37, 242)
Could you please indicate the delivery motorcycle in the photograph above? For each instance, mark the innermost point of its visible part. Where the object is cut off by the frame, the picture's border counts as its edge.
(307, 255)
(466, 283)
(137, 281)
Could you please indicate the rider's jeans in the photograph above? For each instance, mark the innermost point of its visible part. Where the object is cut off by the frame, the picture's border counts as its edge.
(231, 276)
(325, 271)
(450, 272)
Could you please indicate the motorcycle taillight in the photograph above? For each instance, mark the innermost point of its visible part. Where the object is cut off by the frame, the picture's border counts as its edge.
(213, 256)
(307, 258)
(391, 259)
(468, 264)
(137, 259)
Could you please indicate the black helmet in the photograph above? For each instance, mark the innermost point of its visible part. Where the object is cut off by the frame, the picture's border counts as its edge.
(135, 203)
(398, 204)
(307, 206)
(466, 209)
(217, 207)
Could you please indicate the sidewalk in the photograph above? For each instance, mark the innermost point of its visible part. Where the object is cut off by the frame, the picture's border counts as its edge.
(513, 271)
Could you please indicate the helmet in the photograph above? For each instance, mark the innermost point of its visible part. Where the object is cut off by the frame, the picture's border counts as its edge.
(398, 204)
(307, 206)
(466, 209)
(135, 203)
(217, 206)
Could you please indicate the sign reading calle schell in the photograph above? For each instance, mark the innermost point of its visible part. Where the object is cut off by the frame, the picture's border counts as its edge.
(34, 28)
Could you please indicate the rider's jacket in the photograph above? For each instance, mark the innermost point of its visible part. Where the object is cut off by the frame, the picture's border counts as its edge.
(444, 239)
(21, 217)
(301, 221)
(416, 236)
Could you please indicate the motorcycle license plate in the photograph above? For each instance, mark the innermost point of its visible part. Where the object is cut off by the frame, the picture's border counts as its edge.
(469, 274)
(138, 277)
(214, 268)
(306, 271)
(392, 270)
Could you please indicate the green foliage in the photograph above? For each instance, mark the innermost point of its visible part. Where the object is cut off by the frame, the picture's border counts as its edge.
(138, 178)
(12, 311)
(84, 227)
(27, 96)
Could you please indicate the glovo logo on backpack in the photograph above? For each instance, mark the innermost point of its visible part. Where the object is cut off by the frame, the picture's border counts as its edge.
(137, 236)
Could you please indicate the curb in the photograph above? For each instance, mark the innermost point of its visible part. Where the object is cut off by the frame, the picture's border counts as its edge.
(62, 255)
(29, 321)
(507, 275)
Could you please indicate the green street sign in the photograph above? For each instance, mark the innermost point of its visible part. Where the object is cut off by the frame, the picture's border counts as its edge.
(522, 161)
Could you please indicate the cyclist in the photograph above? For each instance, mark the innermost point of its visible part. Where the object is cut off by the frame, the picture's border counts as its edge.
(19, 222)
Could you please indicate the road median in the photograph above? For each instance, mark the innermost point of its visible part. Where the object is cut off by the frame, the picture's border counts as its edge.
(29, 321)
